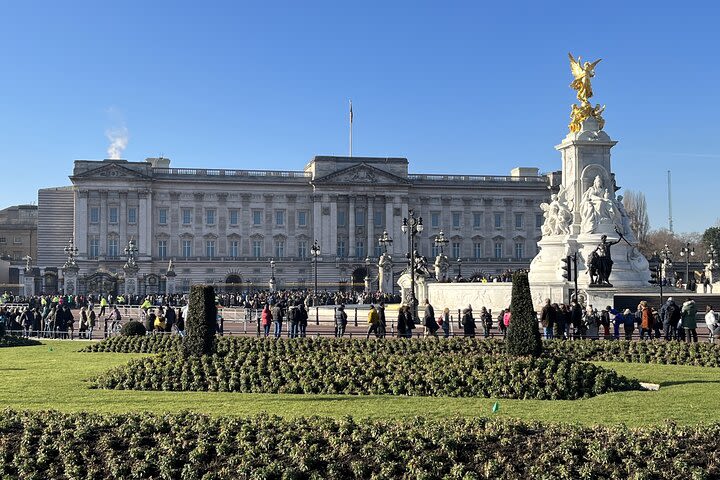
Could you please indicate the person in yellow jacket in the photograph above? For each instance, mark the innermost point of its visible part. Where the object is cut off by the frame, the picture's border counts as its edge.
(146, 304)
(373, 321)
(103, 306)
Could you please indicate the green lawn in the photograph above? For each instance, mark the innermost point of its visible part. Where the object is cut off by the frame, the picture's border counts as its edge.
(55, 376)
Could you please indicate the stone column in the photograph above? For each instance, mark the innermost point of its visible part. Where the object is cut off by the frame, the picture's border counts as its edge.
(122, 218)
(70, 279)
(351, 228)
(144, 225)
(332, 250)
(390, 221)
(131, 279)
(81, 221)
(170, 276)
(370, 226)
(27, 280)
(317, 218)
(103, 223)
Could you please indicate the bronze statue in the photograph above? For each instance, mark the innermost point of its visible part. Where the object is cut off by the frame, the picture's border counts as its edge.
(600, 262)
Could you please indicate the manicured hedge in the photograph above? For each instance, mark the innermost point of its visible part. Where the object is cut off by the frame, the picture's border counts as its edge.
(671, 353)
(281, 370)
(13, 341)
(133, 328)
(42, 445)
(135, 344)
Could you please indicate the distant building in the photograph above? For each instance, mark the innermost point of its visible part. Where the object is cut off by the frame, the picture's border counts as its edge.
(18, 233)
(224, 226)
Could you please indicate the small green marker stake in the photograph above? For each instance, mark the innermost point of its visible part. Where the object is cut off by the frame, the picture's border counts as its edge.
(496, 407)
(50, 349)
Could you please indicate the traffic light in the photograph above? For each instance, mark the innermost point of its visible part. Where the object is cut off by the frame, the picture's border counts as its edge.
(567, 268)
(654, 277)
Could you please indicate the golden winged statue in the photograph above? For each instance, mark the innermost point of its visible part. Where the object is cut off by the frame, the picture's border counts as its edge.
(582, 73)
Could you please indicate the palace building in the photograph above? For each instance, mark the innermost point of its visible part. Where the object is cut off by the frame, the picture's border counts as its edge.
(224, 226)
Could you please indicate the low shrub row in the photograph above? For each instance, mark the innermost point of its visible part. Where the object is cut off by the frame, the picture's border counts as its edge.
(42, 445)
(136, 344)
(13, 341)
(378, 373)
(671, 353)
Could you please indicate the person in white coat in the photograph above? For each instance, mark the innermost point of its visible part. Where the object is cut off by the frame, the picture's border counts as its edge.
(711, 321)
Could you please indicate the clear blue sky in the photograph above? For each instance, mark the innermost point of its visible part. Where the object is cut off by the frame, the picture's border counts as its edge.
(476, 87)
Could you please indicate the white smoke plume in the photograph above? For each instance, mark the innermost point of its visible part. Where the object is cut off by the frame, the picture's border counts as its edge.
(119, 138)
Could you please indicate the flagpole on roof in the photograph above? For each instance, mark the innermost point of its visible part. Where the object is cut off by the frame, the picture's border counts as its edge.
(351, 125)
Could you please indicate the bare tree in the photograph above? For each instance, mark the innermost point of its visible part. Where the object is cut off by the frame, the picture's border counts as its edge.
(636, 207)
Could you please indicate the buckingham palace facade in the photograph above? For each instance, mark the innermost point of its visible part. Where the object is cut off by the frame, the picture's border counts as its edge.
(224, 226)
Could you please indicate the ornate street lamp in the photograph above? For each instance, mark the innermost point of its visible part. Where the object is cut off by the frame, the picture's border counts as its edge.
(385, 240)
(412, 226)
(315, 252)
(272, 275)
(459, 275)
(441, 241)
(687, 251)
(71, 251)
(131, 251)
(712, 253)
(367, 274)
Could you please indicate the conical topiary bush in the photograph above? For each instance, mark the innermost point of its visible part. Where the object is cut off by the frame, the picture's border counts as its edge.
(523, 336)
(201, 321)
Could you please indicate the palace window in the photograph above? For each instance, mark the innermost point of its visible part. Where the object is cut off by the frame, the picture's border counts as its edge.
(113, 215)
(257, 217)
(187, 248)
(519, 221)
(498, 249)
(435, 219)
(456, 219)
(210, 248)
(162, 216)
(94, 251)
(359, 249)
(341, 218)
(519, 250)
(302, 218)
(341, 249)
(477, 250)
(186, 216)
(279, 248)
(132, 215)
(210, 216)
(477, 220)
(257, 248)
(456, 250)
(302, 248)
(498, 220)
(280, 218)
(234, 217)
(234, 248)
(162, 248)
(94, 214)
(112, 247)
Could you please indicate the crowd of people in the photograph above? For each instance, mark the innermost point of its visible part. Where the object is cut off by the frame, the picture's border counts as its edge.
(671, 322)
(52, 316)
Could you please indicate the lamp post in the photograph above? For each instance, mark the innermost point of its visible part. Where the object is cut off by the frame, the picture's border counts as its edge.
(412, 226)
(687, 251)
(71, 251)
(367, 275)
(441, 241)
(315, 252)
(385, 240)
(272, 275)
(665, 258)
(459, 276)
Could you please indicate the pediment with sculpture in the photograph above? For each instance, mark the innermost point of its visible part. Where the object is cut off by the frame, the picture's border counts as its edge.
(361, 174)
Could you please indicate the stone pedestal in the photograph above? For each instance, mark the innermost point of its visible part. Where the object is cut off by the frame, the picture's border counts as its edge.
(70, 279)
(170, 285)
(272, 284)
(131, 280)
(404, 282)
(385, 275)
(27, 280)
(588, 210)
